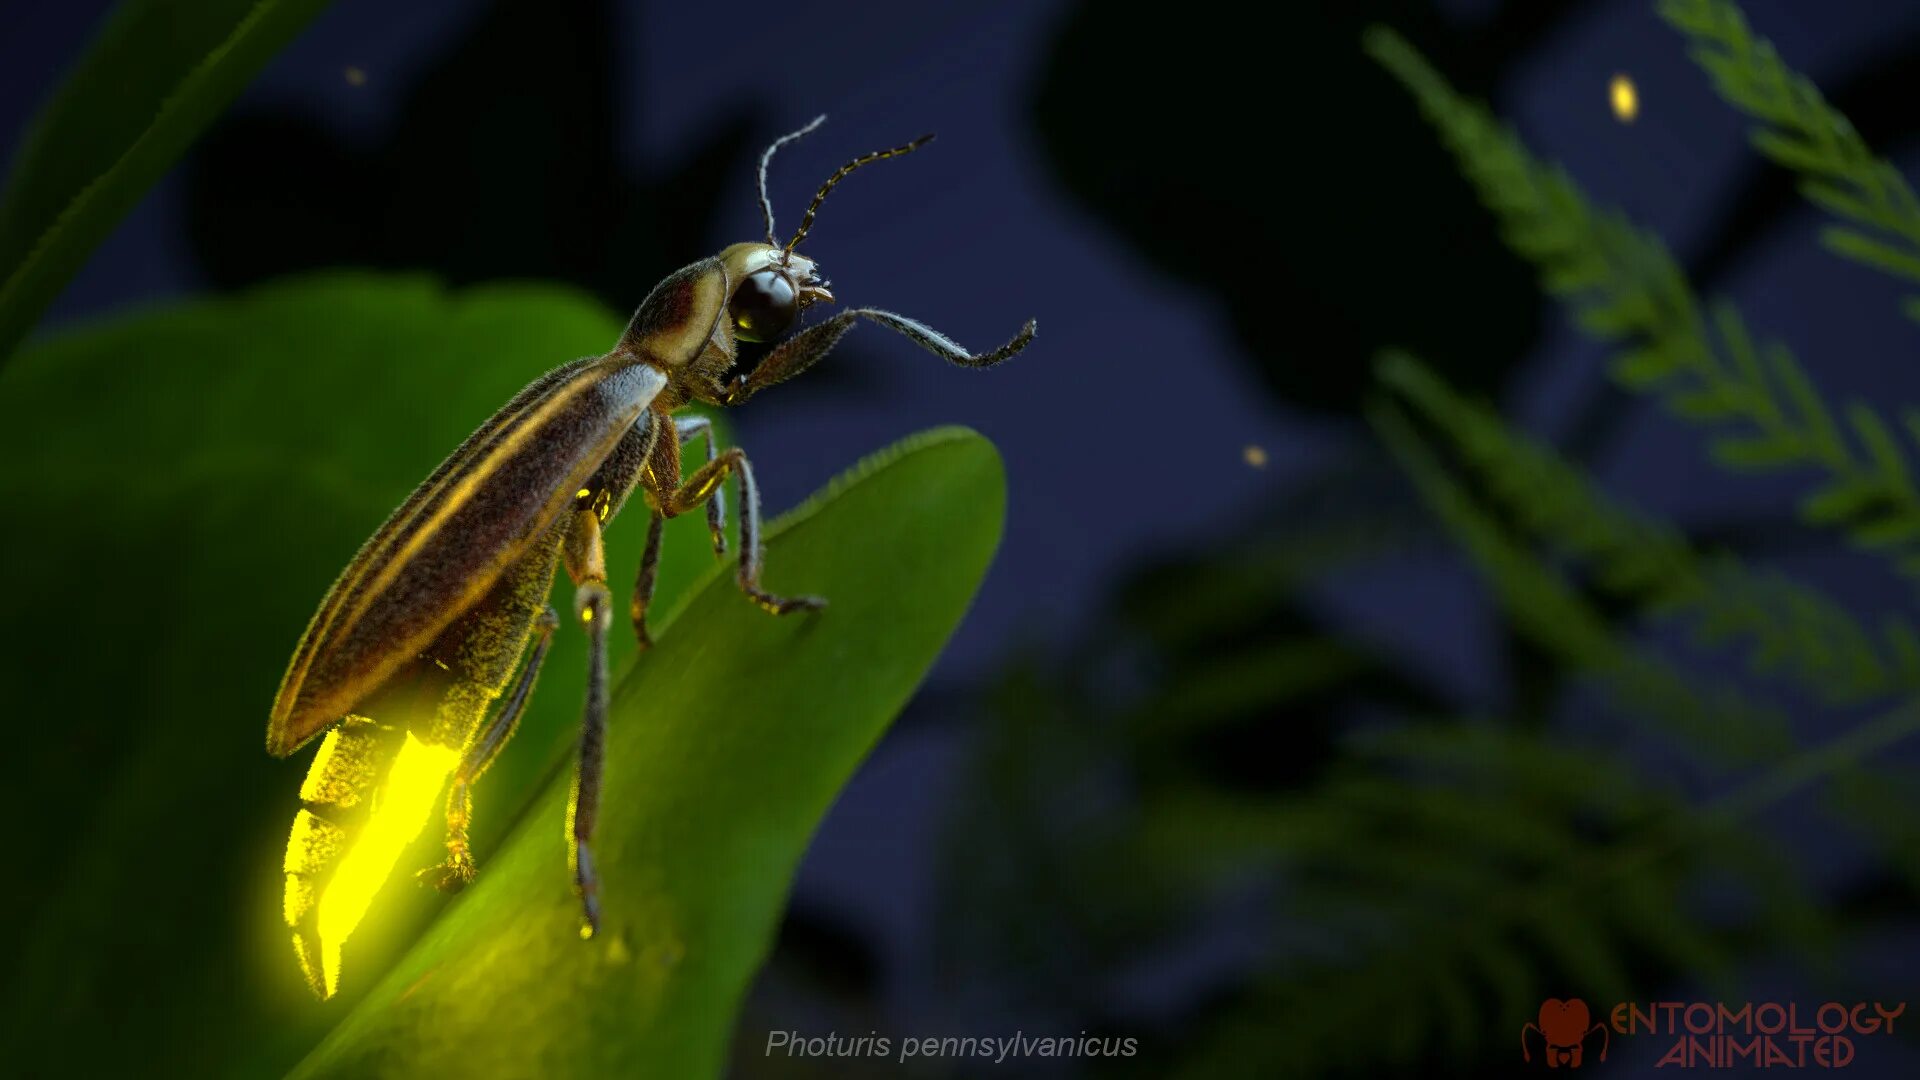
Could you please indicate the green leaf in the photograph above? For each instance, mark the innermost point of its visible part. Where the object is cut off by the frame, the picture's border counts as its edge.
(1761, 451)
(1793, 153)
(1860, 247)
(727, 744)
(154, 76)
(190, 481)
(1642, 369)
(1838, 501)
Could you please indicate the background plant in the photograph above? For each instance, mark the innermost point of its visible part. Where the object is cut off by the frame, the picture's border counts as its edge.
(1418, 890)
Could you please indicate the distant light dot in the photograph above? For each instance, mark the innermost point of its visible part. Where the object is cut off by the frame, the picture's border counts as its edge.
(356, 77)
(1625, 98)
(1255, 456)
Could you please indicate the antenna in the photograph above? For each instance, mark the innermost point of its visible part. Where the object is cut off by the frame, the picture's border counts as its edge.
(864, 159)
(766, 156)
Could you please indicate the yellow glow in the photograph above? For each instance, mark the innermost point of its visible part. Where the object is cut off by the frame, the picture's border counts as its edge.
(406, 801)
(584, 492)
(586, 614)
(1255, 456)
(1625, 98)
(310, 788)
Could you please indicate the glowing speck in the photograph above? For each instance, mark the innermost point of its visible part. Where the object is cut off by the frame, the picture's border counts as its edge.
(356, 77)
(1255, 456)
(584, 492)
(586, 614)
(1625, 97)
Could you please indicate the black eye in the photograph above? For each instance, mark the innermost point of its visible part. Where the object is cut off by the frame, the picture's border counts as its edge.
(764, 306)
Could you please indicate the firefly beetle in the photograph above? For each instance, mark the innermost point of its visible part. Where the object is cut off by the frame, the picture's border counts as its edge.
(426, 627)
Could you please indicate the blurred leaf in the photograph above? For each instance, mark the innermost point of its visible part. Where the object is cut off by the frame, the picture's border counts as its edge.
(727, 744)
(188, 482)
(153, 77)
(1101, 814)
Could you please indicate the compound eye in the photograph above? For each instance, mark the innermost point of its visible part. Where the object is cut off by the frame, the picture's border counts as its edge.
(764, 306)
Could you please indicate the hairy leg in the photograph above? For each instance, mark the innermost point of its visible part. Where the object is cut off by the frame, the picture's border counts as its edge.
(586, 561)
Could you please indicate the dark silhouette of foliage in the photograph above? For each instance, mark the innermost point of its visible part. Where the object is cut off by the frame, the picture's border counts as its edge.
(1237, 194)
(504, 161)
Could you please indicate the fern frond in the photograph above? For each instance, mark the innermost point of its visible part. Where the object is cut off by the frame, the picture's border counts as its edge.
(1551, 613)
(1410, 906)
(1882, 802)
(1798, 129)
(1623, 285)
(1609, 873)
(1786, 625)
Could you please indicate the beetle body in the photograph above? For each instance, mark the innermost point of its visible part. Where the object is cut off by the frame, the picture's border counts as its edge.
(419, 638)
(390, 756)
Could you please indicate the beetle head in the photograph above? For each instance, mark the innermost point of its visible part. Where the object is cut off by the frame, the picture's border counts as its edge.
(752, 292)
(770, 284)
(693, 322)
(770, 287)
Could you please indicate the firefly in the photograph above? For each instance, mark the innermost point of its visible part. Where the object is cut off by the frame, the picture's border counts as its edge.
(416, 668)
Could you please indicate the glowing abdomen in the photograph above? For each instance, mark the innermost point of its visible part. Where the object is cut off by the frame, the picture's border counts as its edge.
(365, 802)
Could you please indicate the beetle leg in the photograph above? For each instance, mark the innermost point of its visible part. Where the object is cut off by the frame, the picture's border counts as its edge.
(459, 869)
(701, 486)
(792, 356)
(643, 583)
(943, 346)
(662, 477)
(586, 559)
(690, 427)
(804, 349)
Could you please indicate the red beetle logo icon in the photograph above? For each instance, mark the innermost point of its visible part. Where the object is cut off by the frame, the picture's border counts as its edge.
(1563, 1028)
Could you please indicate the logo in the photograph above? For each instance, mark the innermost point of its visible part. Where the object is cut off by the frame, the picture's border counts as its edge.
(1563, 1027)
(1713, 1035)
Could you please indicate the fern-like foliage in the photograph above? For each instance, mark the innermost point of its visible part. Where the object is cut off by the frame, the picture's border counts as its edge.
(1432, 880)
(1625, 287)
(1787, 625)
(1548, 609)
(1797, 128)
(1458, 873)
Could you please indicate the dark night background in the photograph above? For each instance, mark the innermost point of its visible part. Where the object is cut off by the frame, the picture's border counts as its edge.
(1216, 222)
